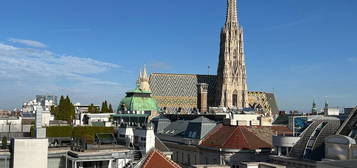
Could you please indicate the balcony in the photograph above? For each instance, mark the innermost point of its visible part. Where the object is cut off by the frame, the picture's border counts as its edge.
(285, 140)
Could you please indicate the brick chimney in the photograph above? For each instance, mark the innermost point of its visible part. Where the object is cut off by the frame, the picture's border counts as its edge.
(202, 97)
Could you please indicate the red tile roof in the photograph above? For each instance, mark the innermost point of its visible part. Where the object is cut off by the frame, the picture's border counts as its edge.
(233, 137)
(266, 133)
(282, 129)
(156, 159)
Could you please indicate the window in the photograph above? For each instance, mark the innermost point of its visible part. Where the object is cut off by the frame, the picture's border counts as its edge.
(182, 160)
(193, 134)
(235, 98)
(188, 159)
(177, 156)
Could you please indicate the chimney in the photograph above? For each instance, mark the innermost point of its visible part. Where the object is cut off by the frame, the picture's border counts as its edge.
(202, 97)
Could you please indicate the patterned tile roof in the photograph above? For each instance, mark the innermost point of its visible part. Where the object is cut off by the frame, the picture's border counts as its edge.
(175, 91)
(180, 90)
(156, 159)
(234, 137)
(179, 85)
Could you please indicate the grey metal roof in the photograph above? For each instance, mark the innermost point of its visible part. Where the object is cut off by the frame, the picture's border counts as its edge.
(202, 119)
(160, 118)
(199, 127)
(195, 129)
(160, 123)
(160, 145)
(282, 120)
(176, 128)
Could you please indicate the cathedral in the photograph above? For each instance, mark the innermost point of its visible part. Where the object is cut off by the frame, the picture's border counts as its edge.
(185, 93)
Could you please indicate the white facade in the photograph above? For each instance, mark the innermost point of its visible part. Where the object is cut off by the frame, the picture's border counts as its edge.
(31, 106)
(30, 153)
(248, 120)
(126, 134)
(11, 121)
(89, 118)
(144, 138)
(332, 111)
(46, 117)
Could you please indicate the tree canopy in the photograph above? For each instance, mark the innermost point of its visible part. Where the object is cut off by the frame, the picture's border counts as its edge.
(65, 110)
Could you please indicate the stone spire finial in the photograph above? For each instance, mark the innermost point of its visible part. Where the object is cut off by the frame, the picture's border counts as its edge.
(145, 76)
(138, 81)
(314, 108)
(326, 103)
(143, 81)
(231, 12)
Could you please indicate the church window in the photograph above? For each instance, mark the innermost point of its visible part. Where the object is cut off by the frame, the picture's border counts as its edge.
(235, 98)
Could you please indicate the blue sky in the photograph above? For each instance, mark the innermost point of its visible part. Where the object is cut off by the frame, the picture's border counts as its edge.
(92, 50)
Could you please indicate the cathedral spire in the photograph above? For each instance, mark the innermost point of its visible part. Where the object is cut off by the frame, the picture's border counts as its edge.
(231, 89)
(231, 12)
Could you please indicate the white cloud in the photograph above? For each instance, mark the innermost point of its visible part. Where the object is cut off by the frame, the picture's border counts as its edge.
(30, 43)
(25, 72)
(23, 62)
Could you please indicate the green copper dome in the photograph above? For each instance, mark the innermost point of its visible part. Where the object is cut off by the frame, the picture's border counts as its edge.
(139, 100)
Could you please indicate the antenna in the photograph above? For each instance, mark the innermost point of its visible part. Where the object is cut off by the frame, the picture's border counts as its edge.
(208, 69)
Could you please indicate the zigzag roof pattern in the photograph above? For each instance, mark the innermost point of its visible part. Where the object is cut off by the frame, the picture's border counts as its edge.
(180, 85)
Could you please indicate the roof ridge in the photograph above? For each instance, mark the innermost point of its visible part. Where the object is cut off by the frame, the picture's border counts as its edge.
(226, 140)
(212, 132)
(166, 158)
(156, 138)
(147, 159)
(188, 74)
(260, 139)
(245, 138)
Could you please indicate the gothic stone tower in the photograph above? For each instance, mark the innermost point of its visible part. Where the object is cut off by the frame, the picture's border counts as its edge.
(231, 74)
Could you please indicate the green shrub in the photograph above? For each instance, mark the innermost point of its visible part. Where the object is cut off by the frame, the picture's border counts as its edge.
(91, 131)
(85, 132)
(32, 131)
(4, 142)
(59, 131)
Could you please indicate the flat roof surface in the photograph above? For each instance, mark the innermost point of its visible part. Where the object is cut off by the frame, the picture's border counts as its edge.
(102, 149)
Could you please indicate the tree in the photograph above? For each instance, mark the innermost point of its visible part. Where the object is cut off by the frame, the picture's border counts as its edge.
(4, 142)
(104, 107)
(65, 110)
(53, 110)
(110, 109)
(93, 109)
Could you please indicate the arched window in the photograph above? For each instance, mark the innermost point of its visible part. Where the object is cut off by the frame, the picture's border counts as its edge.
(235, 98)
